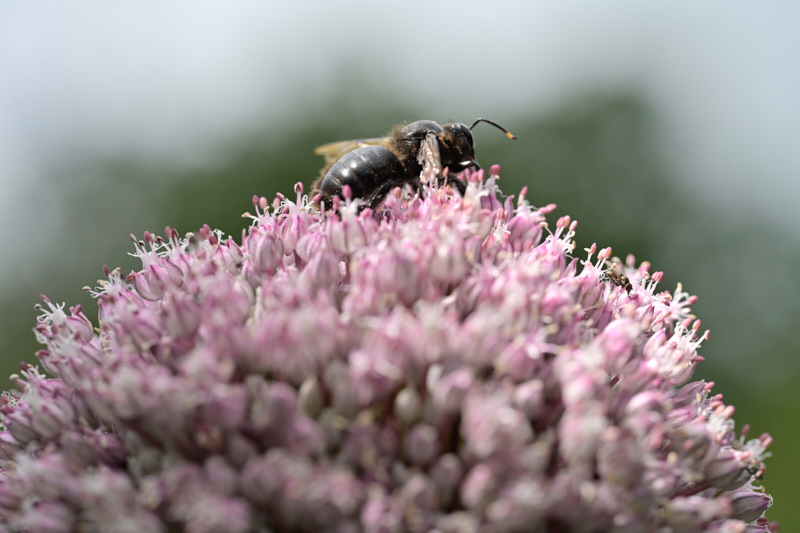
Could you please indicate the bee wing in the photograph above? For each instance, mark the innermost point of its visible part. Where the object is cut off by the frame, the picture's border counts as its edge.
(429, 158)
(332, 152)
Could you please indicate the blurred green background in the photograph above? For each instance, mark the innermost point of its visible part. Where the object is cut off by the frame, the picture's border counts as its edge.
(667, 132)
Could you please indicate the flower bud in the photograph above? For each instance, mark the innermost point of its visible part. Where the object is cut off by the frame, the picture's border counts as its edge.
(749, 505)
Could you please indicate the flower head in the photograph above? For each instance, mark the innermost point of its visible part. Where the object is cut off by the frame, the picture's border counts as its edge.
(441, 363)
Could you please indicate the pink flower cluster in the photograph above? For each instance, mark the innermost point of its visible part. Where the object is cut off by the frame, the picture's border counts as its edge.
(440, 364)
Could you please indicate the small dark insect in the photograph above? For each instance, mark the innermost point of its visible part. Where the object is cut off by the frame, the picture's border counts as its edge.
(756, 469)
(373, 167)
(616, 277)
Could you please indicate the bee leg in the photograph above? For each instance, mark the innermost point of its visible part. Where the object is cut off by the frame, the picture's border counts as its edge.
(416, 186)
(455, 182)
(380, 193)
(459, 184)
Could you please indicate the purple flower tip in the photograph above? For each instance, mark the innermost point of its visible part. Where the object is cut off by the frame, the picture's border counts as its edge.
(438, 363)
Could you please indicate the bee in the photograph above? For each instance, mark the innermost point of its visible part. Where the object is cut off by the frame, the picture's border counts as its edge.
(373, 167)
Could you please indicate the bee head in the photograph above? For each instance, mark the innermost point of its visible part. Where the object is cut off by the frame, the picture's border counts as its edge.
(457, 147)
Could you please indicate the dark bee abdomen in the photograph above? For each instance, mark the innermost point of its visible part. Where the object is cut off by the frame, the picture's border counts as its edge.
(363, 170)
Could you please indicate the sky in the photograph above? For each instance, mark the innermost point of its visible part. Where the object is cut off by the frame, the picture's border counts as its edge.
(172, 81)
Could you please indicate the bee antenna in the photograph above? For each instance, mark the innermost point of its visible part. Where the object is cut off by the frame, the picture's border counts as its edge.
(496, 125)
